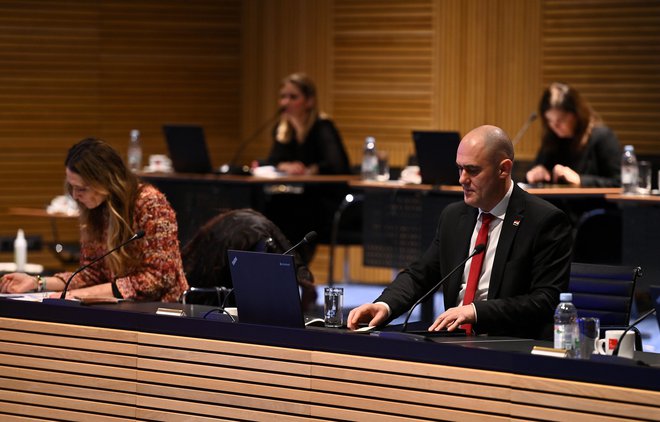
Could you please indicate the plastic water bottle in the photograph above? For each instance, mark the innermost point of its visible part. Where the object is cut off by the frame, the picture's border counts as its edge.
(135, 151)
(567, 333)
(629, 170)
(369, 159)
(20, 250)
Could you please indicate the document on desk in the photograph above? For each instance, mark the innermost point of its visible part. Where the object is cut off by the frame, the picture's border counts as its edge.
(29, 297)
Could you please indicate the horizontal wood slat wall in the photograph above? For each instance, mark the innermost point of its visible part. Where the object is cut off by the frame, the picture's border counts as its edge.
(82, 68)
(76, 373)
(610, 51)
(78, 68)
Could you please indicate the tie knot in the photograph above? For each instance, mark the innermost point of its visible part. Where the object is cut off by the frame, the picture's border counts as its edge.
(486, 218)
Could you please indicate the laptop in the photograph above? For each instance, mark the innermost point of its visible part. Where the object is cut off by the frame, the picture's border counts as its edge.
(436, 156)
(655, 297)
(187, 147)
(265, 289)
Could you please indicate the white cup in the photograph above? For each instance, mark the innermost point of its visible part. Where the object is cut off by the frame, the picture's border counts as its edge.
(160, 162)
(605, 346)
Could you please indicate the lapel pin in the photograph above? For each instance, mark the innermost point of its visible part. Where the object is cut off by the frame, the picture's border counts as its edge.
(516, 222)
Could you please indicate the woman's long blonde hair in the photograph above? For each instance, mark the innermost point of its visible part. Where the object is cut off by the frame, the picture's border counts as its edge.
(284, 132)
(103, 170)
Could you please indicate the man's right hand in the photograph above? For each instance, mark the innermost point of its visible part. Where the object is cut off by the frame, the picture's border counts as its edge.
(373, 314)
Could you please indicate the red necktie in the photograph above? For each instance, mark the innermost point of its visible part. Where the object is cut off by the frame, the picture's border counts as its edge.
(477, 264)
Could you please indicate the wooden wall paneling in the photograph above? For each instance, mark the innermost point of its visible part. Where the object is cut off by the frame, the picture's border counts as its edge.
(454, 393)
(609, 51)
(78, 371)
(222, 379)
(281, 37)
(382, 74)
(172, 378)
(488, 66)
(80, 68)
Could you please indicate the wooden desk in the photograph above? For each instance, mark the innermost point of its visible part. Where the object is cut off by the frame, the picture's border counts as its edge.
(100, 363)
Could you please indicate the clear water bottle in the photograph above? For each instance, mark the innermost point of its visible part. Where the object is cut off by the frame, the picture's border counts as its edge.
(20, 250)
(369, 159)
(135, 151)
(629, 170)
(567, 333)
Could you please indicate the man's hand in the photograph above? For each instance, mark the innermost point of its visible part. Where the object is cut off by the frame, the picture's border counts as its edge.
(372, 313)
(452, 318)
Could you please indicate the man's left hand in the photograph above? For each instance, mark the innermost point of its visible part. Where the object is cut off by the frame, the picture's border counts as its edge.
(452, 318)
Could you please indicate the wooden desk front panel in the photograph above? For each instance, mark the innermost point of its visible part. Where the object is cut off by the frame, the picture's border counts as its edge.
(76, 373)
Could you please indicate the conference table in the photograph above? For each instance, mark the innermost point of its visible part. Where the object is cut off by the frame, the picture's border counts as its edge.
(127, 362)
(290, 201)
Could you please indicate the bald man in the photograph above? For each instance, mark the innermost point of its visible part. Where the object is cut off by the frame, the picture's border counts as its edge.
(526, 262)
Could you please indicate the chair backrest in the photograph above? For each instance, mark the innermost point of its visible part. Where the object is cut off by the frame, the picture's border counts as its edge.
(604, 291)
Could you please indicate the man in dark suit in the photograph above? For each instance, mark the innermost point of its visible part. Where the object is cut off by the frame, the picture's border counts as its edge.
(526, 261)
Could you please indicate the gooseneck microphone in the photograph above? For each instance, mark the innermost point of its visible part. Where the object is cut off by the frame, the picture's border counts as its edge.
(615, 352)
(309, 237)
(477, 250)
(138, 235)
(524, 127)
(231, 165)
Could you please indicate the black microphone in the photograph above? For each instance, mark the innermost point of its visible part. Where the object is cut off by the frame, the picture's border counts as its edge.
(231, 166)
(138, 235)
(477, 250)
(309, 237)
(524, 127)
(615, 352)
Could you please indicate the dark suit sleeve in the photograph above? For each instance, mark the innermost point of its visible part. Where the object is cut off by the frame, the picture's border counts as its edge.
(536, 272)
(414, 281)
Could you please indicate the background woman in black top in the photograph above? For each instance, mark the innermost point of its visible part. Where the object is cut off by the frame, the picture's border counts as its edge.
(576, 148)
(305, 141)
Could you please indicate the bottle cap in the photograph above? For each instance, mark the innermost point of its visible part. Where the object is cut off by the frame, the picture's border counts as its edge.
(566, 297)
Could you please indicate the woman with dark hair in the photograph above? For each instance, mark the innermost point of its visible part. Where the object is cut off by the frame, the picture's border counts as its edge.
(576, 147)
(305, 141)
(113, 206)
(205, 256)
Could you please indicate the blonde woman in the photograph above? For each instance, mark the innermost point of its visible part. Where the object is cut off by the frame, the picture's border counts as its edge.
(114, 205)
(305, 141)
(576, 148)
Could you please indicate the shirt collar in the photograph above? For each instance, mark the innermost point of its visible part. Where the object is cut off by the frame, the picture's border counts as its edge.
(499, 210)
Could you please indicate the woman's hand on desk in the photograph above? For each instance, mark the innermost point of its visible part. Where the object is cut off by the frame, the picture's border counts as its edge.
(563, 174)
(18, 283)
(538, 174)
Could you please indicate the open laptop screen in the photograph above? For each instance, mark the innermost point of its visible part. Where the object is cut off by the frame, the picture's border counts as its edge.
(187, 147)
(436, 156)
(266, 289)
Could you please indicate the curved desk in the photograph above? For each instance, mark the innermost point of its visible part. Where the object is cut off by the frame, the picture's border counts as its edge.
(125, 362)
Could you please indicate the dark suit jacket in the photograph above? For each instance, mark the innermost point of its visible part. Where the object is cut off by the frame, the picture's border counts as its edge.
(530, 269)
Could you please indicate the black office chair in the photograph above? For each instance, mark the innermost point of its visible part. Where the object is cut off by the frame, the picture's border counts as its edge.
(346, 229)
(604, 291)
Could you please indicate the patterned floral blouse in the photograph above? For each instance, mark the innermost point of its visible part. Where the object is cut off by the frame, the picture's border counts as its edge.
(159, 276)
